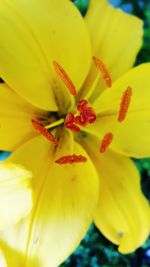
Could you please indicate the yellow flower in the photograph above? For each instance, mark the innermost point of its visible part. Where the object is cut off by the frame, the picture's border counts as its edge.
(61, 126)
(15, 188)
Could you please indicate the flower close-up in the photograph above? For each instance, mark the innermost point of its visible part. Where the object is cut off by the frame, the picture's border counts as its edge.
(73, 112)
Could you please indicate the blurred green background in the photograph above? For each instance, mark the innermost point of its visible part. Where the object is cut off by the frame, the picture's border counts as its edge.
(95, 250)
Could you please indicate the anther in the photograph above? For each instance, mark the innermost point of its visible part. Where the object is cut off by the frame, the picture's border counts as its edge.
(124, 105)
(70, 159)
(105, 142)
(40, 129)
(65, 78)
(101, 66)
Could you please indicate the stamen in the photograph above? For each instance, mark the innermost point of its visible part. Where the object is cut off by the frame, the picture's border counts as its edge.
(65, 78)
(106, 142)
(124, 105)
(40, 129)
(101, 66)
(71, 159)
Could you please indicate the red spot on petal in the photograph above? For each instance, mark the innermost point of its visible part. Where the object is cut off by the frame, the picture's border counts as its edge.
(65, 78)
(101, 66)
(124, 105)
(106, 142)
(40, 129)
(71, 159)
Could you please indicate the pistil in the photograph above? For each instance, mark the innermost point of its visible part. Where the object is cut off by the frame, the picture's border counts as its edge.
(70, 123)
(54, 124)
(86, 115)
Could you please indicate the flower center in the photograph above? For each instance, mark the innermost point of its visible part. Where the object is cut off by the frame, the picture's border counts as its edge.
(84, 114)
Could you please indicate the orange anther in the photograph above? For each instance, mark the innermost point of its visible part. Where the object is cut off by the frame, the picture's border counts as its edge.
(101, 66)
(124, 105)
(105, 142)
(71, 159)
(65, 78)
(40, 129)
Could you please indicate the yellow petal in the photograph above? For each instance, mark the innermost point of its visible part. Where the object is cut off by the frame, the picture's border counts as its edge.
(132, 135)
(116, 38)
(2, 260)
(65, 198)
(32, 35)
(123, 213)
(15, 256)
(15, 119)
(15, 194)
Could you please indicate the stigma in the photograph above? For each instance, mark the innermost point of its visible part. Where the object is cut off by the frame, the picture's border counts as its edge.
(85, 116)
